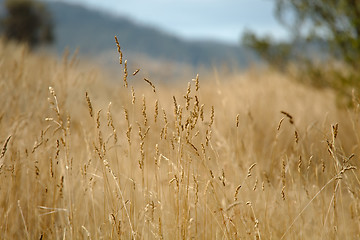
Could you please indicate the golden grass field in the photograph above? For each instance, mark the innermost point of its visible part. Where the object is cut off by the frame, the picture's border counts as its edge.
(248, 155)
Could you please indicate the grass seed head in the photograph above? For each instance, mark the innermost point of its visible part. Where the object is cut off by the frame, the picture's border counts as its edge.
(335, 130)
(4, 149)
(89, 104)
(296, 137)
(144, 111)
(291, 119)
(212, 116)
(187, 96)
(299, 164)
(279, 125)
(196, 80)
(175, 107)
(119, 50)
(151, 84)
(236, 193)
(136, 72)
(125, 74)
(98, 119)
(156, 112)
(250, 168)
(202, 112)
(132, 95)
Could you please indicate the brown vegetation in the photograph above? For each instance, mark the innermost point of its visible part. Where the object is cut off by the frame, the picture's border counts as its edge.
(250, 156)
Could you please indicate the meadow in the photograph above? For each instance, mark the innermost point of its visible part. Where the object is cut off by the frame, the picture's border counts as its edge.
(245, 155)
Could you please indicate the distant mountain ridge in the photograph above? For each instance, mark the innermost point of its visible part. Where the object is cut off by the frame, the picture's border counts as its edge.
(93, 32)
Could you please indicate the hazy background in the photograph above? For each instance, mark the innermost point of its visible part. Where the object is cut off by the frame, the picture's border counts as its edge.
(180, 36)
(222, 20)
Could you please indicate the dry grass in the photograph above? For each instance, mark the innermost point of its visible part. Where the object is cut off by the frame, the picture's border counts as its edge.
(243, 156)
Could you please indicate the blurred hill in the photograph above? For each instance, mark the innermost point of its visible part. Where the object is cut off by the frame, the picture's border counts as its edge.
(93, 32)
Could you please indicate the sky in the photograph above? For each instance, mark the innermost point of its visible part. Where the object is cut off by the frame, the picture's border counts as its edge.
(220, 20)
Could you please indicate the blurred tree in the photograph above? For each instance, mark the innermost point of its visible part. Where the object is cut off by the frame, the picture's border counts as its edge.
(27, 21)
(334, 23)
(276, 54)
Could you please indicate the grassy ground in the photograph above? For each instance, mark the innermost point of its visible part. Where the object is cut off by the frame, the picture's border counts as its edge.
(235, 156)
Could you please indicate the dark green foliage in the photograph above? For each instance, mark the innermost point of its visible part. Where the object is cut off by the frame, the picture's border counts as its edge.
(27, 21)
